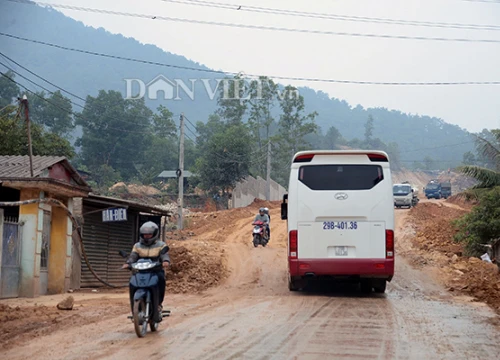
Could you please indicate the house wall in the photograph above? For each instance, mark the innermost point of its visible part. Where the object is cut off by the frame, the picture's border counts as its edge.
(246, 191)
(60, 251)
(59, 262)
(31, 244)
(59, 172)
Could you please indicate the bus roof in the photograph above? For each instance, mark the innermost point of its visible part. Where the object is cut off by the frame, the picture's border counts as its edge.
(373, 155)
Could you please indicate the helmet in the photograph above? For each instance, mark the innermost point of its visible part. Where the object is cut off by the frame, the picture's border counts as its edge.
(149, 233)
(266, 210)
(262, 210)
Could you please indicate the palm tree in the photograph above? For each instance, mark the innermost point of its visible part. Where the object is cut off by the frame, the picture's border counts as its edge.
(487, 178)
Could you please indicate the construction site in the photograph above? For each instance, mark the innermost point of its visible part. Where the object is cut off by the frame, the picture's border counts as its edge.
(228, 298)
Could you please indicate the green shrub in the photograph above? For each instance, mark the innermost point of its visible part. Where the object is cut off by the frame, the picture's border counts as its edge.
(481, 225)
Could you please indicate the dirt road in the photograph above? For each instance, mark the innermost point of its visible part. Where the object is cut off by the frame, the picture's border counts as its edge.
(254, 316)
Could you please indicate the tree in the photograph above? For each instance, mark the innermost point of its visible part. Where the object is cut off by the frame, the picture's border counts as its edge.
(206, 131)
(263, 94)
(332, 139)
(225, 159)
(428, 163)
(116, 133)
(53, 112)
(394, 155)
(469, 158)
(232, 100)
(482, 224)
(14, 139)
(369, 130)
(8, 89)
(163, 123)
(487, 178)
(293, 127)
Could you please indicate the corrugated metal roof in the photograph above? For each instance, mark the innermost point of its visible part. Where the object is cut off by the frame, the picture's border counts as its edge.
(16, 166)
(93, 198)
(172, 174)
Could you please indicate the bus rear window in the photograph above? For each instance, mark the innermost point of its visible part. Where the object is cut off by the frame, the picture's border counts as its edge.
(340, 177)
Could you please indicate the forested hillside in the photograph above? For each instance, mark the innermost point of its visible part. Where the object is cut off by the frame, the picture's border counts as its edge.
(417, 137)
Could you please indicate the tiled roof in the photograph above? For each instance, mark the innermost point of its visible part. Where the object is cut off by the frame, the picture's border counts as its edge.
(19, 166)
(14, 166)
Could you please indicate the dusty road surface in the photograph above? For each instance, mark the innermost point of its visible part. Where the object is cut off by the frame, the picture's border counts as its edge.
(254, 316)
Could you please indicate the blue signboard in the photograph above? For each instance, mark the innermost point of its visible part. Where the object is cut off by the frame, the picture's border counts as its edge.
(115, 214)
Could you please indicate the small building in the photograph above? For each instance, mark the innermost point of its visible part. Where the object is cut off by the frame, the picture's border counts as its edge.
(109, 225)
(36, 247)
(172, 174)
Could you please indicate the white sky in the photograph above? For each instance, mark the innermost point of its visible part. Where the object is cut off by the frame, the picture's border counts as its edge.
(473, 107)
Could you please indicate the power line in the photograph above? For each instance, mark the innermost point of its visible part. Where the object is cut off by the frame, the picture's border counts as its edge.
(72, 102)
(100, 107)
(63, 109)
(337, 17)
(352, 82)
(484, 1)
(257, 27)
(438, 147)
(41, 78)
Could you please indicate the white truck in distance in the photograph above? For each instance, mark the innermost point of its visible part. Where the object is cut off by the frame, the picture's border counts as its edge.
(405, 195)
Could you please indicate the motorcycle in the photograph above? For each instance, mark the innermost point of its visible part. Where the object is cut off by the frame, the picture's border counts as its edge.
(144, 294)
(260, 235)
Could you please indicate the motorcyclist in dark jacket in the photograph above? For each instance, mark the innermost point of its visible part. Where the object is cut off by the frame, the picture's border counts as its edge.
(149, 247)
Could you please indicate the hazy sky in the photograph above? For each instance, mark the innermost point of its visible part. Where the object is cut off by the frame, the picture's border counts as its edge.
(310, 55)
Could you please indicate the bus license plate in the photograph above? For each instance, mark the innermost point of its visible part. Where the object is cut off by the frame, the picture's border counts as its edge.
(340, 225)
(341, 251)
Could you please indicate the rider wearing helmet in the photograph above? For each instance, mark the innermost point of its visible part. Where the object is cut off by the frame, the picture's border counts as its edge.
(266, 210)
(262, 216)
(150, 247)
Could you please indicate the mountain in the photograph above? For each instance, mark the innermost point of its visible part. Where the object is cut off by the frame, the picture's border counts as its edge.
(84, 74)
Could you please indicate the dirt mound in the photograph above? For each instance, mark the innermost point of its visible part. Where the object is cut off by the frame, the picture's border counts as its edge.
(202, 222)
(461, 202)
(197, 252)
(476, 278)
(20, 323)
(134, 189)
(196, 266)
(434, 245)
(258, 203)
(434, 230)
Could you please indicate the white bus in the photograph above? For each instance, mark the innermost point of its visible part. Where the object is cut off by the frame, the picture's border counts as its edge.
(340, 218)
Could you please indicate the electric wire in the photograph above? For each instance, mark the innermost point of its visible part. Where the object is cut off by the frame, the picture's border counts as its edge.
(256, 27)
(290, 78)
(336, 17)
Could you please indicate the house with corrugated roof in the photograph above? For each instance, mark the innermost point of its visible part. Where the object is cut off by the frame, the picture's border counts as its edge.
(39, 252)
(36, 247)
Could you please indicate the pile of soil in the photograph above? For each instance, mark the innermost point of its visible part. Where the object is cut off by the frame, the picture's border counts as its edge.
(20, 323)
(460, 201)
(433, 241)
(476, 278)
(197, 252)
(198, 223)
(434, 229)
(196, 266)
(135, 189)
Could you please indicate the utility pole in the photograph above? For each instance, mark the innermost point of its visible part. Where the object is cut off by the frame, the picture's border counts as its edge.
(24, 103)
(180, 173)
(268, 174)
